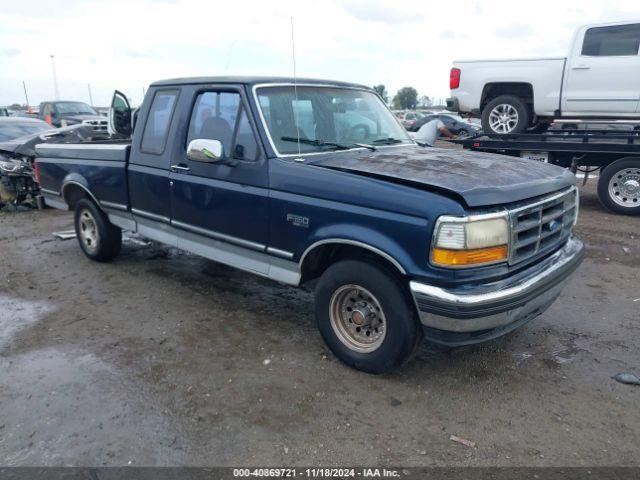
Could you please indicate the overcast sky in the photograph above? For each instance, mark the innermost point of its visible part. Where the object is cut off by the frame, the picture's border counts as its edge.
(129, 44)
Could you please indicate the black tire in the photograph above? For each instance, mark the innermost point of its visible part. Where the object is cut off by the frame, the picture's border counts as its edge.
(403, 331)
(625, 169)
(524, 116)
(102, 243)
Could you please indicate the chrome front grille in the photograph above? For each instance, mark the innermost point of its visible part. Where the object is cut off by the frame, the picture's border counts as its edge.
(97, 125)
(542, 226)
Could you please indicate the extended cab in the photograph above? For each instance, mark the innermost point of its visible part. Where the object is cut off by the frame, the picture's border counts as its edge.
(599, 79)
(317, 183)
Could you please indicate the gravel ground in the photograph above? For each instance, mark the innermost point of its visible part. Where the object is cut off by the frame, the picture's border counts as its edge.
(165, 358)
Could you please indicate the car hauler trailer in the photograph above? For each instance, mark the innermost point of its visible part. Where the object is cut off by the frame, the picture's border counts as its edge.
(615, 155)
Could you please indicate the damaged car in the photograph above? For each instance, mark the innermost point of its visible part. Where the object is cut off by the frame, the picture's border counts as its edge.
(17, 174)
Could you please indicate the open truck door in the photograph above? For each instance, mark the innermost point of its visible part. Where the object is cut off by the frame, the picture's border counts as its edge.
(120, 115)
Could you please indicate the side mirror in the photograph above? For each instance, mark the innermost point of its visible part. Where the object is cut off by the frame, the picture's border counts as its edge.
(204, 150)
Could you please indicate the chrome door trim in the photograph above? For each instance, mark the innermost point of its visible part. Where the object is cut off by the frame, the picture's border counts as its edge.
(115, 206)
(220, 236)
(600, 99)
(84, 146)
(279, 253)
(250, 260)
(152, 216)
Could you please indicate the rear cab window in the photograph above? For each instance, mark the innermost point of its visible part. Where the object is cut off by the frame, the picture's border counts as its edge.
(612, 41)
(154, 136)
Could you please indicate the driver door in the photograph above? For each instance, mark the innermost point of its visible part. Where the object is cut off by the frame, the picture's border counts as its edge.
(223, 198)
(120, 115)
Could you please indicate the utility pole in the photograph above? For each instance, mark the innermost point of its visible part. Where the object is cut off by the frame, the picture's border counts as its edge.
(90, 97)
(55, 78)
(26, 97)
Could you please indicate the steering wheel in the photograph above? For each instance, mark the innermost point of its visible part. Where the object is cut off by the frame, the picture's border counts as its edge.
(358, 132)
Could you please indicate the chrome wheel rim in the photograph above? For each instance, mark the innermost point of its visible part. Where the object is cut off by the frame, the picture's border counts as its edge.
(88, 231)
(357, 318)
(503, 118)
(624, 188)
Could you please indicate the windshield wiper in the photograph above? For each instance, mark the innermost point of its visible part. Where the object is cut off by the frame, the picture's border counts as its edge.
(366, 145)
(387, 141)
(338, 146)
(319, 143)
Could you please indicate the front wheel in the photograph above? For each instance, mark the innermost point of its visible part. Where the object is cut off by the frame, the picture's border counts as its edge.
(365, 316)
(99, 239)
(505, 114)
(619, 186)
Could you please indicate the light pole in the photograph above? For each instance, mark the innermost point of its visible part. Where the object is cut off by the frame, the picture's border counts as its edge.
(26, 97)
(55, 78)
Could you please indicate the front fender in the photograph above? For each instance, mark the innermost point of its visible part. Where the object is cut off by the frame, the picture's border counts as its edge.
(363, 237)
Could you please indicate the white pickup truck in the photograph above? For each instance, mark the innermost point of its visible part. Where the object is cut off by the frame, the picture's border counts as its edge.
(599, 79)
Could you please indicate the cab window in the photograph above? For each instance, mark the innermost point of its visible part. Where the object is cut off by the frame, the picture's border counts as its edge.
(221, 116)
(154, 137)
(617, 40)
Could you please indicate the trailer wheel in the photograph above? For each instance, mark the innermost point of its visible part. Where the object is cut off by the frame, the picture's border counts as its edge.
(504, 115)
(619, 186)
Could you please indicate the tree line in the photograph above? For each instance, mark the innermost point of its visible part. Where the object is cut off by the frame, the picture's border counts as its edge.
(407, 98)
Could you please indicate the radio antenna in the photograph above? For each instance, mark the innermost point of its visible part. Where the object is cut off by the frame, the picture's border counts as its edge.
(295, 83)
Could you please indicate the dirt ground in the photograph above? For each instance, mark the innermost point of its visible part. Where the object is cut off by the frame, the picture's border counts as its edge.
(165, 358)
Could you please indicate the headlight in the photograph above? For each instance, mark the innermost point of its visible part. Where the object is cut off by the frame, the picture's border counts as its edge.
(470, 241)
(9, 167)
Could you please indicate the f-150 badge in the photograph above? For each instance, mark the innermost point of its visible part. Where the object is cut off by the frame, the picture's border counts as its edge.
(298, 220)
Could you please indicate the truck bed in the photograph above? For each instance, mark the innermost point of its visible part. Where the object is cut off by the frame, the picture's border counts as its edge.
(97, 167)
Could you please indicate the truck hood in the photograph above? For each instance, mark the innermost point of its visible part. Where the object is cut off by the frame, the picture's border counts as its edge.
(481, 179)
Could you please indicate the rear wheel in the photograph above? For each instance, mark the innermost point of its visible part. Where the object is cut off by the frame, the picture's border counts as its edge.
(99, 239)
(504, 115)
(365, 316)
(619, 186)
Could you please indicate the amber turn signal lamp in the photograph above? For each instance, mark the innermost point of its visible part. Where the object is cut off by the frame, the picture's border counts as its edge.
(454, 258)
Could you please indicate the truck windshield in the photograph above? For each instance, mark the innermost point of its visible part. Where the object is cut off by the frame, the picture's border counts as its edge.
(326, 119)
(75, 108)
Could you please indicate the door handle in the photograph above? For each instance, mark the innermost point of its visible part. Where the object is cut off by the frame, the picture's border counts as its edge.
(580, 67)
(179, 168)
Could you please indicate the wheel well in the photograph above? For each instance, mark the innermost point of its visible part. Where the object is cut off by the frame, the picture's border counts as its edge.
(323, 256)
(72, 193)
(520, 90)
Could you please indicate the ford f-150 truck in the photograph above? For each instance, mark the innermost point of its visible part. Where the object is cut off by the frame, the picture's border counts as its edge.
(599, 79)
(315, 182)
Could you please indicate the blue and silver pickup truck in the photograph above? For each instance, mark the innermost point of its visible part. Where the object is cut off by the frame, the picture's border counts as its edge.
(315, 182)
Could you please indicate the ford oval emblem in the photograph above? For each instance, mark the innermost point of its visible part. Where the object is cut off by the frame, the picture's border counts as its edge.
(553, 225)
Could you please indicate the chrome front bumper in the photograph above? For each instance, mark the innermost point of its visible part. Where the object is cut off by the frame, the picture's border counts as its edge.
(476, 313)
